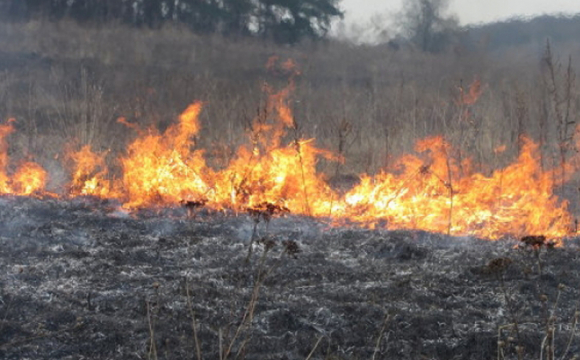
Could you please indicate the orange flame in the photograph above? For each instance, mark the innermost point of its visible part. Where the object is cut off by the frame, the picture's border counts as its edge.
(470, 96)
(90, 174)
(28, 179)
(161, 169)
(430, 190)
(5, 130)
(432, 194)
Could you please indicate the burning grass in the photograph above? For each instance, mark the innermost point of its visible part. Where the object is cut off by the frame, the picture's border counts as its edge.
(29, 177)
(432, 190)
(438, 188)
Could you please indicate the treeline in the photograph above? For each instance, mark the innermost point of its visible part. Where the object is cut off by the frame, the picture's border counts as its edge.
(285, 21)
(521, 32)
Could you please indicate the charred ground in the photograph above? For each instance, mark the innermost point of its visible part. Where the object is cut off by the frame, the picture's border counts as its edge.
(83, 280)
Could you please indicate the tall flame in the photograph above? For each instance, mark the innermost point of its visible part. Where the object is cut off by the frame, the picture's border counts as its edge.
(162, 169)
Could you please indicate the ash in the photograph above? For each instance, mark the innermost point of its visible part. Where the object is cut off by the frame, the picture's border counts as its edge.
(82, 280)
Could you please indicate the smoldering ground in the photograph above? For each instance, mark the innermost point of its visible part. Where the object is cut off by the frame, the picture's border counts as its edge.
(81, 279)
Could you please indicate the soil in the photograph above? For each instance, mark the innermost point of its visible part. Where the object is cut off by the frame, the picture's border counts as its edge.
(81, 279)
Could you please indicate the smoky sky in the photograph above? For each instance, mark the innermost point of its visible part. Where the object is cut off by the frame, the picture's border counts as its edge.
(467, 11)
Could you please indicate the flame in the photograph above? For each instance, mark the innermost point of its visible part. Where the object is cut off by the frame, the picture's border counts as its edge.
(161, 169)
(89, 177)
(430, 190)
(432, 194)
(269, 172)
(29, 178)
(285, 175)
(470, 96)
(5, 130)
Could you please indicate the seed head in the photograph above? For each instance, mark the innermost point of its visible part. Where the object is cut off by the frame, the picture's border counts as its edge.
(561, 287)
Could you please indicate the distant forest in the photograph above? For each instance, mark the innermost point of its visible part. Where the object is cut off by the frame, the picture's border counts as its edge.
(522, 32)
(285, 21)
(424, 24)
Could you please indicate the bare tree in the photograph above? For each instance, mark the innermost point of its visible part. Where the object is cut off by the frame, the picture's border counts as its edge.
(425, 24)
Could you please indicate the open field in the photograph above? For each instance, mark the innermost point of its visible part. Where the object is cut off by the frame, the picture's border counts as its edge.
(86, 278)
(66, 83)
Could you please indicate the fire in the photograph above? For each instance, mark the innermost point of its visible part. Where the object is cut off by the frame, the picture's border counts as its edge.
(28, 179)
(430, 190)
(162, 169)
(90, 174)
(271, 172)
(285, 176)
(5, 130)
(433, 194)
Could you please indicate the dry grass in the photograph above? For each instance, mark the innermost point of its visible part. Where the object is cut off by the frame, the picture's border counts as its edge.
(68, 83)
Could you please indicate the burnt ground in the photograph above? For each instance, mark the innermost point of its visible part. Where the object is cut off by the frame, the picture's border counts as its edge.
(80, 280)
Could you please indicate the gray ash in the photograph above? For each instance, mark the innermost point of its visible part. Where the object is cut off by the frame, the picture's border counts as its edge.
(79, 280)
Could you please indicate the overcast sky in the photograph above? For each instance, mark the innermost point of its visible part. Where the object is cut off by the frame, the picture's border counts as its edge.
(468, 11)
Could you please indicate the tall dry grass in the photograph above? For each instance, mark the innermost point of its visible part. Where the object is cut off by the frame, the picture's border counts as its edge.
(64, 83)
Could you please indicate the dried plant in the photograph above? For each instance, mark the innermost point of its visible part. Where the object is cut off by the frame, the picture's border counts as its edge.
(291, 248)
(560, 87)
(192, 206)
(548, 318)
(536, 243)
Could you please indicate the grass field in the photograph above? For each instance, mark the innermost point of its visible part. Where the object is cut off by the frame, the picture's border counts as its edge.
(64, 83)
(86, 278)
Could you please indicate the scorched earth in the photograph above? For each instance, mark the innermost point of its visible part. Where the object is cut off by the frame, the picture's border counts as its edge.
(82, 280)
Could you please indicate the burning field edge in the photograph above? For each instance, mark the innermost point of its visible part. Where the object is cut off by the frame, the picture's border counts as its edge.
(437, 189)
